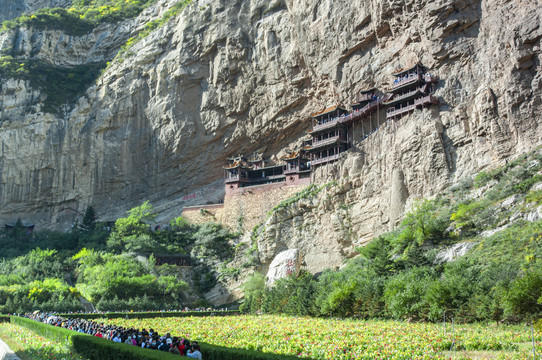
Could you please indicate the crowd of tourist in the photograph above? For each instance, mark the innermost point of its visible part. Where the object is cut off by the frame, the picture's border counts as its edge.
(145, 339)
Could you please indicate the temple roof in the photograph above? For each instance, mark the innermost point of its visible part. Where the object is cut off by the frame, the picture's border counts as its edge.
(291, 156)
(365, 91)
(398, 73)
(236, 164)
(328, 110)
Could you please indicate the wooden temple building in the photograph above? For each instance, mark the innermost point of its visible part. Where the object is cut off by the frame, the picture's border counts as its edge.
(335, 130)
(25, 229)
(412, 89)
(297, 169)
(242, 172)
(329, 135)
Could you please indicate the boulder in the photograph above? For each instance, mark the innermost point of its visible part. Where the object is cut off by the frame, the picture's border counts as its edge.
(284, 264)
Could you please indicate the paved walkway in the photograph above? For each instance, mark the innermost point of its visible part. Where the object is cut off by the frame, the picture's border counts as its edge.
(6, 353)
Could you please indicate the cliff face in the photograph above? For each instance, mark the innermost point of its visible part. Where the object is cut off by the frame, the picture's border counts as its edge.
(239, 76)
(10, 9)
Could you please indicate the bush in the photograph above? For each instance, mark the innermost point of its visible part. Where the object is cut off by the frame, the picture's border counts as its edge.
(293, 295)
(53, 332)
(60, 84)
(94, 348)
(356, 291)
(524, 298)
(151, 314)
(405, 294)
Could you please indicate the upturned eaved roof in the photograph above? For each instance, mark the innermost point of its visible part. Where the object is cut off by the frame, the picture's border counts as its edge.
(328, 110)
(397, 73)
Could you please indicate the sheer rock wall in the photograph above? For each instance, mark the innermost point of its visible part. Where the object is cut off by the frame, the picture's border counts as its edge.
(241, 76)
(10, 9)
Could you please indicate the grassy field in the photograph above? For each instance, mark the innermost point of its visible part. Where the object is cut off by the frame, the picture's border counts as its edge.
(350, 339)
(31, 346)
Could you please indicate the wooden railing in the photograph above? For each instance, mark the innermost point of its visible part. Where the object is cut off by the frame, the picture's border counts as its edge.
(428, 99)
(235, 178)
(325, 159)
(326, 125)
(327, 141)
(395, 112)
(354, 115)
(409, 79)
(404, 96)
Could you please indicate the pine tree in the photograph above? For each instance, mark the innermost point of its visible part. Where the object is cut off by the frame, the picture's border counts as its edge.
(88, 223)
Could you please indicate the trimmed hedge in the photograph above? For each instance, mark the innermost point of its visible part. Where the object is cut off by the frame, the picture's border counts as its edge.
(148, 315)
(95, 348)
(101, 349)
(45, 330)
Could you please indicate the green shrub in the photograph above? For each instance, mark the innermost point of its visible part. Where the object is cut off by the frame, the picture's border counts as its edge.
(534, 197)
(82, 17)
(61, 85)
(94, 348)
(152, 314)
(356, 291)
(293, 295)
(52, 332)
(405, 293)
(524, 298)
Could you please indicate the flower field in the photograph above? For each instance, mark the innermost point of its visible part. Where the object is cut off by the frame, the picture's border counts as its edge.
(33, 346)
(314, 338)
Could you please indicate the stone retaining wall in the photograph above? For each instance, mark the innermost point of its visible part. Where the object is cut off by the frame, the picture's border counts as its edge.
(245, 210)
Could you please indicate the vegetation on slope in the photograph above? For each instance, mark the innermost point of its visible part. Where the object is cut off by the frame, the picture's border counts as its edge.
(60, 84)
(104, 265)
(398, 275)
(63, 85)
(82, 17)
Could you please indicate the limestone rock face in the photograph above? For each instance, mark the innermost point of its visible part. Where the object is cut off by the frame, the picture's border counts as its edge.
(10, 9)
(286, 263)
(239, 76)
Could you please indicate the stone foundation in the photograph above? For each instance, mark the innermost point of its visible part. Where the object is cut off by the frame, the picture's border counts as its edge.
(245, 210)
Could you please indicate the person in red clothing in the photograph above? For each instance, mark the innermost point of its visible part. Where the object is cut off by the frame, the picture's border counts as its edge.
(99, 334)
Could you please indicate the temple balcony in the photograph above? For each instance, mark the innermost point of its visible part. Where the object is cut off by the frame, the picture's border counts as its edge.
(295, 170)
(364, 111)
(392, 113)
(235, 178)
(397, 98)
(328, 125)
(328, 141)
(411, 78)
(324, 160)
(418, 103)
